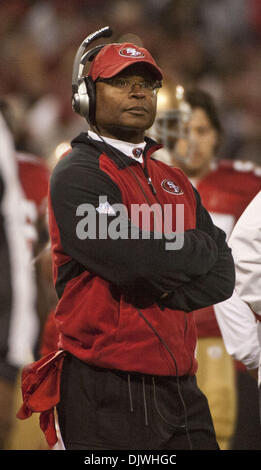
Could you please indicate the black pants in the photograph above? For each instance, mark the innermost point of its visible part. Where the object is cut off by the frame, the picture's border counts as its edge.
(114, 410)
(247, 435)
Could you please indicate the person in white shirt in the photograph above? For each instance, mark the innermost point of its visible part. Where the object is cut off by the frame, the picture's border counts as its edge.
(241, 329)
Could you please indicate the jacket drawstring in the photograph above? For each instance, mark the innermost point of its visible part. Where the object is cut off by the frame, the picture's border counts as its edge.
(156, 403)
(155, 400)
(145, 402)
(130, 394)
(144, 398)
(158, 410)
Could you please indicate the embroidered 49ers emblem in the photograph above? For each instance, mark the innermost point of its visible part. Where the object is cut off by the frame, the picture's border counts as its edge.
(171, 187)
(137, 152)
(131, 52)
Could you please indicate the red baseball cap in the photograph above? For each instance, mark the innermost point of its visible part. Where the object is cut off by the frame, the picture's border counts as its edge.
(113, 58)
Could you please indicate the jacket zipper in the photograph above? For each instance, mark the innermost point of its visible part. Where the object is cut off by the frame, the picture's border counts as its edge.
(153, 190)
(149, 181)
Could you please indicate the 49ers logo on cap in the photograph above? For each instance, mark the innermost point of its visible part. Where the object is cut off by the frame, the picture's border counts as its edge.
(171, 187)
(131, 52)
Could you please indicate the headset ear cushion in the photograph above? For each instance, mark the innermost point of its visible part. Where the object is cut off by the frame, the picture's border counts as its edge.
(91, 92)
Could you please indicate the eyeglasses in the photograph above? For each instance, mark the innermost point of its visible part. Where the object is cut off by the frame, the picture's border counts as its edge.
(150, 86)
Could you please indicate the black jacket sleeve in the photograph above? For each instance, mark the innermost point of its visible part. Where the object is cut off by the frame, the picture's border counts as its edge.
(215, 286)
(124, 261)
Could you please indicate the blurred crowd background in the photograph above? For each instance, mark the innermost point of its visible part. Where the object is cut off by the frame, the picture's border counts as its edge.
(213, 44)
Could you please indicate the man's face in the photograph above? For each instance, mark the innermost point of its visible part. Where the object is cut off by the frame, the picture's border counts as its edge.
(125, 112)
(198, 149)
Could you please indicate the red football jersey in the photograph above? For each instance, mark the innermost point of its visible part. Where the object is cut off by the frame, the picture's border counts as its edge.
(225, 192)
(34, 176)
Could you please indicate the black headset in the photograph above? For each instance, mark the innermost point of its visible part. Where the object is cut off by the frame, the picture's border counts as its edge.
(83, 88)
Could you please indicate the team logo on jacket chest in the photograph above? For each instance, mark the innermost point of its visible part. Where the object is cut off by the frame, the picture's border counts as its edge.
(172, 187)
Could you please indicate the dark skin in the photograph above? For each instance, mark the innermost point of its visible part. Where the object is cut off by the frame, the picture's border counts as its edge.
(125, 114)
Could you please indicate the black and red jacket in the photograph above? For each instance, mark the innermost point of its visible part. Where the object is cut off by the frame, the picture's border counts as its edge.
(128, 303)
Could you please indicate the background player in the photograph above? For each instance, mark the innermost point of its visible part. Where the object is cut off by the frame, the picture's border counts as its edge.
(33, 174)
(189, 126)
(17, 314)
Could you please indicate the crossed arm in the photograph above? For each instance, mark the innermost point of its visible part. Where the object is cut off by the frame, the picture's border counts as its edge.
(201, 273)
